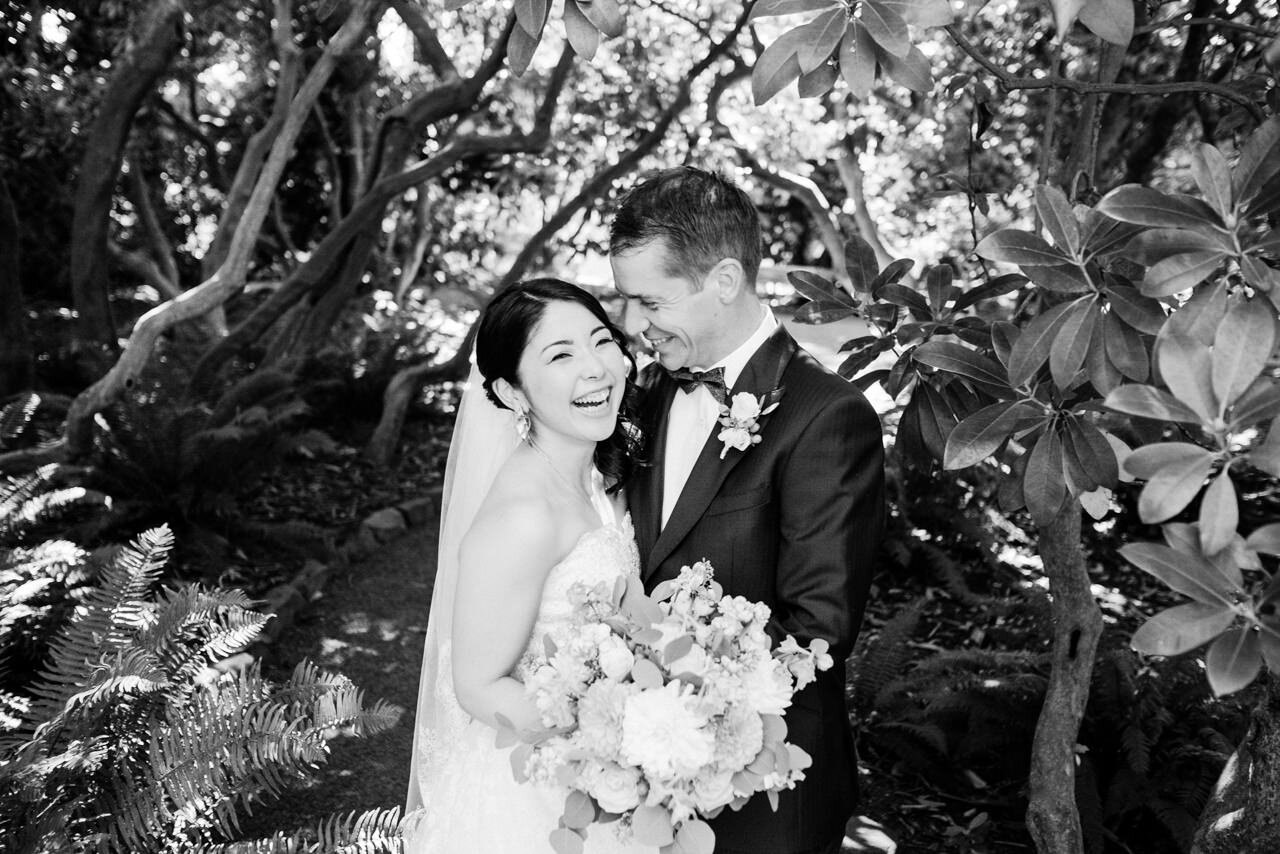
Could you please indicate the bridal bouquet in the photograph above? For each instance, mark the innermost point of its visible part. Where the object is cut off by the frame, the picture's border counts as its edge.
(664, 710)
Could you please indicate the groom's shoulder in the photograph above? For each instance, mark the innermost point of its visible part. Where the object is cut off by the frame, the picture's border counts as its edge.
(820, 384)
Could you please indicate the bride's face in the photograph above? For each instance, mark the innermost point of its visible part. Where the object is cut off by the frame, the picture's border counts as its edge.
(572, 374)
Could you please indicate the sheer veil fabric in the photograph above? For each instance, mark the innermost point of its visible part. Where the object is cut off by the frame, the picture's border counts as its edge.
(484, 437)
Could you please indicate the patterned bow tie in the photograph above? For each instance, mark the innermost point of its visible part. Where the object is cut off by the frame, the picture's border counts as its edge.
(713, 380)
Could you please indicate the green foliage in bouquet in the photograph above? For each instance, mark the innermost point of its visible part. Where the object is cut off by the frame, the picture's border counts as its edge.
(135, 738)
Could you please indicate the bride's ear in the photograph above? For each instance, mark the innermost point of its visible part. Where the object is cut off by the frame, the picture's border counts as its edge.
(511, 396)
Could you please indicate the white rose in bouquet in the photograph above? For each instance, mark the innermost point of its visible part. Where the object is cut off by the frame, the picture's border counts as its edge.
(616, 789)
(615, 658)
(663, 733)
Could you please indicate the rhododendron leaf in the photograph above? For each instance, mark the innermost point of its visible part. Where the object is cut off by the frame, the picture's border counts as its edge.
(579, 810)
(566, 841)
(1219, 514)
(695, 837)
(1241, 346)
(1173, 487)
(652, 826)
(1233, 661)
(1189, 574)
(1150, 402)
(1183, 628)
(1265, 539)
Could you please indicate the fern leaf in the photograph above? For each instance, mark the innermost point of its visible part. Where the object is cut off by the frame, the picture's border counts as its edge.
(885, 657)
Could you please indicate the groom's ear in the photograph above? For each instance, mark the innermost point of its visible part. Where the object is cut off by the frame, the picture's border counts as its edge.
(510, 395)
(728, 278)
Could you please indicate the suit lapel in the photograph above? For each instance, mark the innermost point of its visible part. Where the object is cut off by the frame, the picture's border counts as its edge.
(762, 373)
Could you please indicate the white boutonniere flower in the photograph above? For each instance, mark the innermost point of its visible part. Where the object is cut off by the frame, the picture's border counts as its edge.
(740, 419)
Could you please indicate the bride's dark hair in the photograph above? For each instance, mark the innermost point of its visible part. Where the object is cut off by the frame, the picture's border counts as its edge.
(504, 332)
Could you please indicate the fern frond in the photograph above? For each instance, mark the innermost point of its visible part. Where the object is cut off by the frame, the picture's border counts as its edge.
(16, 415)
(885, 657)
(15, 492)
(103, 622)
(51, 559)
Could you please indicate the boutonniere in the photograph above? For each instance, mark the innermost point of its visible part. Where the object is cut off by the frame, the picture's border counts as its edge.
(741, 419)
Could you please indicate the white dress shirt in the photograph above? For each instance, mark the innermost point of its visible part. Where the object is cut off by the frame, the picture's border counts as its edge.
(694, 415)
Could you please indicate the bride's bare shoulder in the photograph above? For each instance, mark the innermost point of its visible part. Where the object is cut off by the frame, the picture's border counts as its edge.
(515, 517)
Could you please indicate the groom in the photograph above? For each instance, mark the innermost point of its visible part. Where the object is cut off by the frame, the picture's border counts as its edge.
(792, 520)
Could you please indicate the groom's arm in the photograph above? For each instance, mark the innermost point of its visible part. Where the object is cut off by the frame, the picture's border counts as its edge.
(831, 509)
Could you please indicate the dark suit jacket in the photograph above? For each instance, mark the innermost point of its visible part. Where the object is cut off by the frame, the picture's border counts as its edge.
(794, 522)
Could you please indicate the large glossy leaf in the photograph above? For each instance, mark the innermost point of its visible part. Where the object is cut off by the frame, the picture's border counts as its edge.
(1094, 452)
(1188, 574)
(1141, 312)
(1125, 347)
(1233, 661)
(1172, 487)
(981, 434)
(905, 297)
(1102, 234)
(1241, 346)
(778, 65)
(1103, 375)
(1182, 628)
(959, 359)
(1151, 247)
(1055, 213)
(886, 27)
(773, 8)
(582, 34)
(998, 286)
(1186, 367)
(1178, 273)
(1109, 20)
(1213, 178)
(1020, 247)
(1065, 13)
(1198, 317)
(821, 37)
(1265, 539)
(820, 289)
(860, 262)
(1145, 206)
(1071, 343)
(938, 287)
(531, 15)
(1062, 279)
(858, 60)
(1149, 459)
(1150, 402)
(912, 71)
(817, 82)
(1219, 514)
(1260, 403)
(1266, 454)
(607, 17)
(520, 49)
(1043, 485)
(1259, 160)
(1032, 347)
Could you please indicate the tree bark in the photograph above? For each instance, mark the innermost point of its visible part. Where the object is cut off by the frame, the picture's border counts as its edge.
(152, 44)
(230, 276)
(17, 360)
(1077, 623)
(1243, 813)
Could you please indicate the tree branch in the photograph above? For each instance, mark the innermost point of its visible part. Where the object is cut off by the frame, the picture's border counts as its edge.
(432, 51)
(161, 249)
(1011, 82)
(1221, 23)
(230, 276)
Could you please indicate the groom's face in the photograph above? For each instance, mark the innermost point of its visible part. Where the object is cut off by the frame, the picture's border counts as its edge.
(679, 321)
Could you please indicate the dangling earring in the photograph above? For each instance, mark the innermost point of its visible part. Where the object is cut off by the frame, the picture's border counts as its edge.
(523, 424)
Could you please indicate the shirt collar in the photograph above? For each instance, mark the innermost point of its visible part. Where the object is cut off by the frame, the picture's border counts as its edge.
(735, 362)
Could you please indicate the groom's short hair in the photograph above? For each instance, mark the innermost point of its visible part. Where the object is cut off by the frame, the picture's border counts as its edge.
(702, 218)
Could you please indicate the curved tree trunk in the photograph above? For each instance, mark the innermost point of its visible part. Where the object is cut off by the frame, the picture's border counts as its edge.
(17, 361)
(152, 44)
(1243, 814)
(1077, 624)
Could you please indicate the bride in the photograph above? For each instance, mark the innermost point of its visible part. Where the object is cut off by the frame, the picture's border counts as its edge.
(531, 504)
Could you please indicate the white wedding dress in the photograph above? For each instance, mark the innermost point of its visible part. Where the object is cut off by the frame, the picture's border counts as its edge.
(476, 805)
